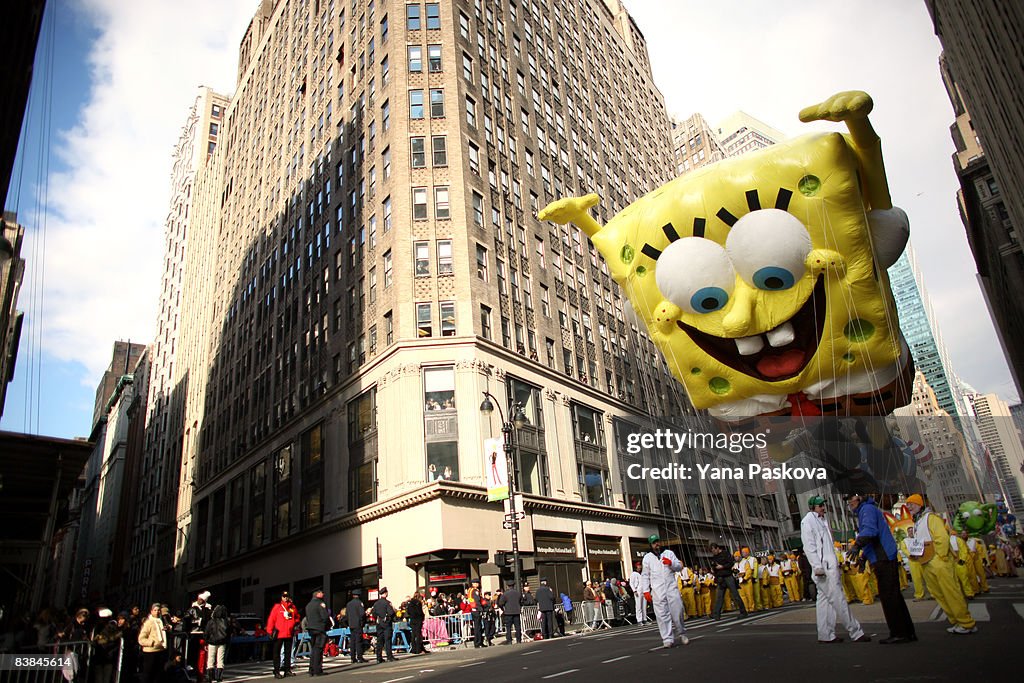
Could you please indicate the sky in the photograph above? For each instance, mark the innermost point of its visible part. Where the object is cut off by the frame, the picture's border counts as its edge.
(123, 75)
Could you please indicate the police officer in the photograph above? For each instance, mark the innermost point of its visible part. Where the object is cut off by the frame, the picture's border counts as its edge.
(384, 612)
(474, 598)
(546, 608)
(355, 612)
(318, 622)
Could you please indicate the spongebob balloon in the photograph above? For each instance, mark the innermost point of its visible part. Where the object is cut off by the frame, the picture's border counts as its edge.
(762, 279)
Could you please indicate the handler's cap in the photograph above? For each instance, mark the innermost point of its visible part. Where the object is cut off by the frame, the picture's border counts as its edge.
(916, 498)
(736, 553)
(837, 544)
(652, 538)
(815, 500)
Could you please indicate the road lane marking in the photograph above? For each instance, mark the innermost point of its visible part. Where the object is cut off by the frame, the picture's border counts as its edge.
(395, 680)
(609, 661)
(473, 664)
(531, 652)
(561, 673)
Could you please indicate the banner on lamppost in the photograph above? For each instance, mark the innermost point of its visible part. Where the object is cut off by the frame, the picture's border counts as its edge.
(496, 469)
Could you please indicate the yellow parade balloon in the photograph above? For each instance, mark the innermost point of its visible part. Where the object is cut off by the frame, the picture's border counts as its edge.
(762, 278)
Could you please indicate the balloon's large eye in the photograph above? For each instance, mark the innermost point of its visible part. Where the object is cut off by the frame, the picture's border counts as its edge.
(768, 247)
(976, 512)
(967, 515)
(695, 274)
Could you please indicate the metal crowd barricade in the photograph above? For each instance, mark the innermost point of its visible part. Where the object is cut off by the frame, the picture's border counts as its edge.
(76, 671)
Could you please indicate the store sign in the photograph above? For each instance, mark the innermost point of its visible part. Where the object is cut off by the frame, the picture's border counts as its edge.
(604, 551)
(555, 546)
(447, 574)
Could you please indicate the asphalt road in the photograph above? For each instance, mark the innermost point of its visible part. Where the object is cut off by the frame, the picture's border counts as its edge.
(773, 646)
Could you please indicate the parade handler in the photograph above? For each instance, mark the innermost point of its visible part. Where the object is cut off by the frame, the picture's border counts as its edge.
(831, 603)
(659, 572)
(929, 547)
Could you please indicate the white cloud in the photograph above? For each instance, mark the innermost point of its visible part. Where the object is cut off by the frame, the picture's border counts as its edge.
(106, 210)
(772, 59)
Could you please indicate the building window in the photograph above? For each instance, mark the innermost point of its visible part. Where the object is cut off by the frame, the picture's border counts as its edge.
(485, 321)
(442, 209)
(311, 508)
(592, 485)
(443, 461)
(412, 17)
(474, 158)
(386, 204)
(415, 104)
(470, 111)
(388, 274)
(422, 255)
(362, 415)
(418, 152)
(444, 257)
(419, 203)
(481, 262)
(389, 328)
(434, 58)
(447, 318)
(433, 16)
(438, 388)
(467, 67)
(363, 484)
(282, 492)
(424, 326)
(439, 146)
(587, 424)
(257, 498)
(478, 209)
(437, 103)
(415, 59)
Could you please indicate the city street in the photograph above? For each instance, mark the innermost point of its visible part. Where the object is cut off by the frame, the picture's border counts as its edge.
(769, 646)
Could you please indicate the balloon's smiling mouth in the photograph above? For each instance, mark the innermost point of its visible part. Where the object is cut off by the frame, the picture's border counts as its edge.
(777, 354)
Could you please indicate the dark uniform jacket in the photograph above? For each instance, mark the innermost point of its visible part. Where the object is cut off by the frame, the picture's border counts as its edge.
(509, 602)
(355, 613)
(318, 618)
(384, 611)
(545, 599)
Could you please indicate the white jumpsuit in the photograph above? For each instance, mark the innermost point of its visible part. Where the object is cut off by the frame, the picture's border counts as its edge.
(668, 604)
(818, 546)
(639, 586)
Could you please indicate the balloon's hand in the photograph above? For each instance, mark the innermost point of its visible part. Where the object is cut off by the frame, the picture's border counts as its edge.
(843, 106)
(647, 596)
(572, 210)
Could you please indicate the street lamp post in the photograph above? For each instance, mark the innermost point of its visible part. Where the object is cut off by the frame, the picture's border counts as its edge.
(518, 420)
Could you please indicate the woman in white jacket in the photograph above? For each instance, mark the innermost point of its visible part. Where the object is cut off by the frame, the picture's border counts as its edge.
(818, 546)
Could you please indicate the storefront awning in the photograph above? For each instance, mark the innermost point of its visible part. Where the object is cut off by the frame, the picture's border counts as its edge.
(446, 555)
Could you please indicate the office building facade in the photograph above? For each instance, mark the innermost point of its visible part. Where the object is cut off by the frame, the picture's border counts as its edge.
(373, 264)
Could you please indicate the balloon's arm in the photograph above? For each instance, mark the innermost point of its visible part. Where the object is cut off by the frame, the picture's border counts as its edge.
(575, 210)
(853, 107)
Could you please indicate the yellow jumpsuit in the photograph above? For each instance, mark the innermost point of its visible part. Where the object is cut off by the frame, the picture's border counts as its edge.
(746, 582)
(859, 580)
(762, 582)
(775, 584)
(791, 577)
(686, 579)
(705, 591)
(938, 571)
(872, 580)
(759, 603)
(848, 588)
(916, 575)
(977, 561)
(960, 556)
(999, 562)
